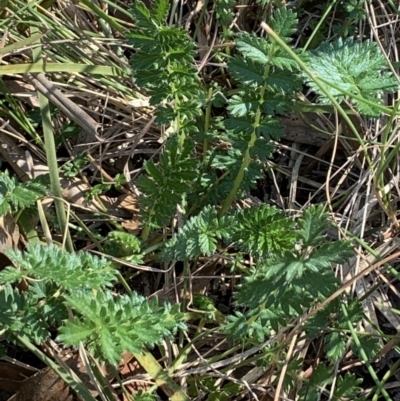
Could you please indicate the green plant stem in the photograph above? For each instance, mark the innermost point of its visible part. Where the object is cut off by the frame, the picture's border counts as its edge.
(100, 13)
(154, 369)
(320, 22)
(70, 378)
(387, 376)
(385, 160)
(380, 388)
(246, 158)
(50, 148)
(207, 125)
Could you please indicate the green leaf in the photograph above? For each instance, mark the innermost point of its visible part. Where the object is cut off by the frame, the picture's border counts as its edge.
(254, 48)
(167, 182)
(224, 11)
(335, 346)
(322, 375)
(263, 231)
(11, 275)
(347, 386)
(313, 224)
(246, 71)
(123, 245)
(16, 196)
(111, 325)
(198, 237)
(142, 16)
(353, 66)
(327, 254)
(160, 10)
(281, 82)
(19, 315)
(370, 345)
(284, 22)
(70, 271)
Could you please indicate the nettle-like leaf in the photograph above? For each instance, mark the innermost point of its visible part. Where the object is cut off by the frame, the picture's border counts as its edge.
(160, 10)
(50, 305)
(263, 231)
(284, 62)
(280, 82)
(142, 15)
(293, 265)
(317, 323)
(261, 51)
(167, 182)
(67, 270)
(247, 71)
(198, 237)
(327, 254)
(15, 196)
(271, 302)
(355, 67)
(11, 301)
(111, 325)
(322, 375)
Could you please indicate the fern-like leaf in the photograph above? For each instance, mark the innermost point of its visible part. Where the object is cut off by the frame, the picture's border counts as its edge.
(198, 237)
(167, 182)
(112, 325)
(69, 271)
(263, 231)
(164, 65)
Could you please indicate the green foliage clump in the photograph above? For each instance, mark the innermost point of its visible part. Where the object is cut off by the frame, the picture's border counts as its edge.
(263, 231)
(208, 162)
(123, 245)
(224, 11)
(59, 282)
(293, 262)
(288, 282)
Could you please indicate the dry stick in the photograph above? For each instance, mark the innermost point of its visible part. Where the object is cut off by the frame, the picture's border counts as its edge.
(67, 106)
(284, 369)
